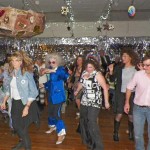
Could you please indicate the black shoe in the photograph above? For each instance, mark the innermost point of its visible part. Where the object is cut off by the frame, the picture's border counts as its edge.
(116, 137)
(6, 118)
(13, 132)
(78, 130)
(18, 146)
(131, 136)
(88, 148)
(131, 132)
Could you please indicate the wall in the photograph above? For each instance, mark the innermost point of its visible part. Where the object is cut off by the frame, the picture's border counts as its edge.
(84, 29)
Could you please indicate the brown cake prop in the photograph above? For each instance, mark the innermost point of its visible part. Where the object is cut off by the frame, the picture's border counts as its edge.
(20, 23)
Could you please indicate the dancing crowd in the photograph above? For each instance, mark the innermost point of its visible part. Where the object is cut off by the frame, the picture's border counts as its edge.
(28, 87)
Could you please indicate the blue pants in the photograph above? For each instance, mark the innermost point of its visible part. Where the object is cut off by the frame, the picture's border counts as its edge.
(140, 115)
(54, 119)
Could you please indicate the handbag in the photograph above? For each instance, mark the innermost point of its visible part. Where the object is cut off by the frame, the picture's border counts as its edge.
(58, 92)
(72, 80)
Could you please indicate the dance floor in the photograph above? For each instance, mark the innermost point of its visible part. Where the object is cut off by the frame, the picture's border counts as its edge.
(43, 141)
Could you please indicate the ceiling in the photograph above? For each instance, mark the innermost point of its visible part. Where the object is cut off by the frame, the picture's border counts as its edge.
(84, 10)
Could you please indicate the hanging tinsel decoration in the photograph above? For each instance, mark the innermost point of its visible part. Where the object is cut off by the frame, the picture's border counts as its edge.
(105, 16)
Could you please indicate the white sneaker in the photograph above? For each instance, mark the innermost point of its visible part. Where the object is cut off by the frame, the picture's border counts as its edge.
(50, 130)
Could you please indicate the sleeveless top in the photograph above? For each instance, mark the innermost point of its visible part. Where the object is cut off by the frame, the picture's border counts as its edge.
(92, 94)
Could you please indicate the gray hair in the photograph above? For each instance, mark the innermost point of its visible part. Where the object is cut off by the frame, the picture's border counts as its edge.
(55, 56)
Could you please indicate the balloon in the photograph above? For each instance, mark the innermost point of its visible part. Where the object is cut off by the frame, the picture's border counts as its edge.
(131, 11)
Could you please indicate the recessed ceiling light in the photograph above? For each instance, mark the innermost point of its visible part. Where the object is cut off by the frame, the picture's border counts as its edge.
(37, 2)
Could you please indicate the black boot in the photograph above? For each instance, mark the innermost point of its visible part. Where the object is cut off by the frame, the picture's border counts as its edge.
(116, 129)
(13, 132)
(131, 133)
(78, 130)
(18, 146)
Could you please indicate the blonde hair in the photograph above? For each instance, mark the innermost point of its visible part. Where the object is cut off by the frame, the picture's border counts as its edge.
(26, 61)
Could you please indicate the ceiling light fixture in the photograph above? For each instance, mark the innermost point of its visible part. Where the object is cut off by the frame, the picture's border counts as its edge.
(37, 2)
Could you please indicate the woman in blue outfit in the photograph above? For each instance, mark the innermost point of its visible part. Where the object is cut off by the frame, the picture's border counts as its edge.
(23, 92)
(56, 95)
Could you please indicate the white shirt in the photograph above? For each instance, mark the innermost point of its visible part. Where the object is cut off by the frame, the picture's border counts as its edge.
(43, 78)
(14, 90)
(127, 75)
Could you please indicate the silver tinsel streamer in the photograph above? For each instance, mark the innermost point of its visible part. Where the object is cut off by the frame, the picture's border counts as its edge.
(105, 16)
(69, 48)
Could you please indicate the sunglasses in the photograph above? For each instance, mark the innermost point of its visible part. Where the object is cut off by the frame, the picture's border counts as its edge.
(52, 62)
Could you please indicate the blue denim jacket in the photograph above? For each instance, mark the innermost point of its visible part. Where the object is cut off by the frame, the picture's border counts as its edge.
(26, 87)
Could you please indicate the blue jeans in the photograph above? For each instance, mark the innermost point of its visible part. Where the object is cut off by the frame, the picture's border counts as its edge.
(140, 115)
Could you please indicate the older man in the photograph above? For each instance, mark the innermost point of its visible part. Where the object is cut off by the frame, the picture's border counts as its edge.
(141, 110)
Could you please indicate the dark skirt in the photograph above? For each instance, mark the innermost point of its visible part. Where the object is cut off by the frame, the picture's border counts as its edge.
(16, 114)
(120, 102)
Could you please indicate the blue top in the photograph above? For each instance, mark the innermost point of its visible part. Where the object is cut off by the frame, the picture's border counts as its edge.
(26, 86)
(55, 85)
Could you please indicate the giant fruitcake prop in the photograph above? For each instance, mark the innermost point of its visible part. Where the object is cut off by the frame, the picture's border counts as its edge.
(20, 23)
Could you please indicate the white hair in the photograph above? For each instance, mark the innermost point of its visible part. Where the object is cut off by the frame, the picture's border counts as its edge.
(55, 56)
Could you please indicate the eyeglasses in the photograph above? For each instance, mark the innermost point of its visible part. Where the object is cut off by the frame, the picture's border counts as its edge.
(146, 65)
(52, 62)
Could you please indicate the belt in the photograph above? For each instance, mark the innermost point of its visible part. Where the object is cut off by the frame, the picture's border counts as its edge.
(144, 106)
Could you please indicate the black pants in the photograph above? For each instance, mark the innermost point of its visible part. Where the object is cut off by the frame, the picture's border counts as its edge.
(90, 132)
(21, 124)
(54, 110)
